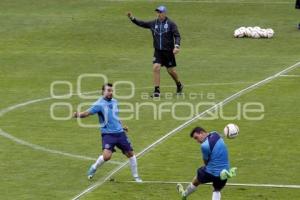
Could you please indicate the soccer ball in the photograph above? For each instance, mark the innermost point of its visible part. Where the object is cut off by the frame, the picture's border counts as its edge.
(248, 31)
(270, 32)
(231, 131)
(263, 33)
(257, 28)
(255, 34)
(238, 33)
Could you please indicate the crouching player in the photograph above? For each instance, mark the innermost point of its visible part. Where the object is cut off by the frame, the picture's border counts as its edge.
(113, 133)
(216, 164)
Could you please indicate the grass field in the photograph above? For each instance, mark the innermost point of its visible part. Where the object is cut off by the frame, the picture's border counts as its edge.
(46, 41)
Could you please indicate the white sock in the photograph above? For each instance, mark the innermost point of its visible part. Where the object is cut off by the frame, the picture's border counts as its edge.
(189, 190)
(100, 161)
(216, 195)
(133, 166)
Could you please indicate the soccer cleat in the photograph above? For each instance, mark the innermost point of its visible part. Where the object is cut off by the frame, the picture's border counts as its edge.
(179, 89)
(228, 174)
(180, 190)
(138, 179)
(155, 94)
(91, 172)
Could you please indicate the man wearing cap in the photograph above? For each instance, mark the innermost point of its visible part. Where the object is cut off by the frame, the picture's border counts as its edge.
(166, 42)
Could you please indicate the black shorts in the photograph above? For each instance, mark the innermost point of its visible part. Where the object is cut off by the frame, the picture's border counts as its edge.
(165, 58)
(204, 177)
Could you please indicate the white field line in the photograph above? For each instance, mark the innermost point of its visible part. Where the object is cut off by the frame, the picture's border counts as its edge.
(185, 124)
(40, 148)
(35, 146)
(10, 108)
(211, 2)
(185, 85)
(289, 75)
(229, 184)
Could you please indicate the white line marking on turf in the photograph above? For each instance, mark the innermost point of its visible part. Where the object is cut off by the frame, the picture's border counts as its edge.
(35, 146)
(185, 85)
(40, 148)
(212, 2)
(290, 75)
(172, 132)
(10, 108)
(229, 184)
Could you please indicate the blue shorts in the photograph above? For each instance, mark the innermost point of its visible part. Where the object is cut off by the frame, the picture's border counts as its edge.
(205, 177)
(120, 140)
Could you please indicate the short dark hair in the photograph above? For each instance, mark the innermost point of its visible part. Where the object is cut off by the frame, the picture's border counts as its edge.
(197, 129)
(106, 84)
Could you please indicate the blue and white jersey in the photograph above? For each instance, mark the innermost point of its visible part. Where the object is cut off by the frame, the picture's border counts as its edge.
(108, 113)
(214, 151)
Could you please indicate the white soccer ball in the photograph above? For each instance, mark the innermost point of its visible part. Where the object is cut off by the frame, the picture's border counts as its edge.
(238, 33)
(231, 131)
(270, 32)
(248, 31)
(242, 29)
(263, 33)
(255, 34)
(256, 28)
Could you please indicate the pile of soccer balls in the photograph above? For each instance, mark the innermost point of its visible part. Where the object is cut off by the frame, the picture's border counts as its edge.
(253, 32)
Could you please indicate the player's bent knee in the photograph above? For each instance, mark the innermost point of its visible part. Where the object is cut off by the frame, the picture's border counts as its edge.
(195, 182)
(171, 70)
(106, 157)
(156, 67)
(129, 154)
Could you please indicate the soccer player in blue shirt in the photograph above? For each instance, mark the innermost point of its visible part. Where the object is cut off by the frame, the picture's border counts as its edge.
(216, 164)
(113, 133)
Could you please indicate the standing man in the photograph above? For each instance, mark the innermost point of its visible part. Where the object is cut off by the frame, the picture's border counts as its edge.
(216, 164)
(298, 7)
(166, 42)
(113, 134)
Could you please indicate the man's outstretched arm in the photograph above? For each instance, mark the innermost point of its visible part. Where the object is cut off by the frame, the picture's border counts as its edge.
(81, 114)
(139, 22)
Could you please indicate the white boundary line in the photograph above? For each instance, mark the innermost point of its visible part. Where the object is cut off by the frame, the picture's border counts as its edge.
(289, 75)
(184, 85)
(209, 2)
(10, 108)
(41, 148)
(38, 147)
(229, 184)
(200, 115)
(13, 107)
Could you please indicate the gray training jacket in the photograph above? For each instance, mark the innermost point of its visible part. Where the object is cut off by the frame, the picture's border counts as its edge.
(165, 34)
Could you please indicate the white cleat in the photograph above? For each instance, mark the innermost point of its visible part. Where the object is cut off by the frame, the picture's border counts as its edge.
(138, 179)
(180, 190)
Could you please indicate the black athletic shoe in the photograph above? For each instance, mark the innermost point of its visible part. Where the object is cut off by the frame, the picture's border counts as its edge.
(299, 26)
(179, 89)
(155, 94)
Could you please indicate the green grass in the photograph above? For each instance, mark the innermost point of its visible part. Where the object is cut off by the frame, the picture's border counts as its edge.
(44, 41)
